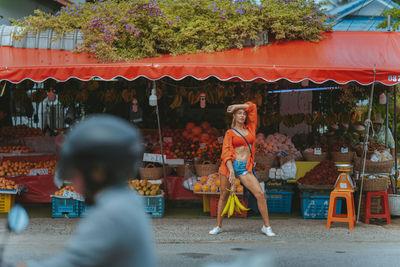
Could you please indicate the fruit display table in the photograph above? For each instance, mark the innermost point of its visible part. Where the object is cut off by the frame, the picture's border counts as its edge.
(176, 191)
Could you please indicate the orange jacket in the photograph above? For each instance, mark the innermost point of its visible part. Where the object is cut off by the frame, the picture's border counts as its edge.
(228, 152)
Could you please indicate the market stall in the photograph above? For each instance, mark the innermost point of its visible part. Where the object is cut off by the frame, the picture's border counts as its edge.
(329, 62)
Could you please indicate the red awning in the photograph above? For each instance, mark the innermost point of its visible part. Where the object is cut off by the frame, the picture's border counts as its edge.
(341, 57)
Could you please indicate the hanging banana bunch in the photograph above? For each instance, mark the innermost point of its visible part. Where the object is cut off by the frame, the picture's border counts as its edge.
(19, 95)
(82, 96)
(38, 96)
(177, 102)
(93, 85)
(128, 95)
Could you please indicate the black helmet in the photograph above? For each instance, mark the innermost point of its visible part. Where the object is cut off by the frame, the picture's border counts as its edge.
(101, 144)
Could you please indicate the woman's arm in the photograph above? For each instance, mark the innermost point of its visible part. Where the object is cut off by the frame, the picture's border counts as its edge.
(233, 108)
(251, 116)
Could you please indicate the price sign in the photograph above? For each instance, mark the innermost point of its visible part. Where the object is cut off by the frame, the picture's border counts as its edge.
(203, 145)
(34, 172)
(220, 139)
(153, 157)
(67, 194)
(317, 151)
(344, 150)
(167, 139)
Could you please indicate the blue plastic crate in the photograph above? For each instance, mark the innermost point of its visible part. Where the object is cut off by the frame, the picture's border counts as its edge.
(154, 205)
(83, 208)
(65, 207)
(316, 207)
(279, 202)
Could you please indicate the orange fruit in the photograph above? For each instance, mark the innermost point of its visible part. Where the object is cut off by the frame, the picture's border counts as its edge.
(236, 183)
(213, 188)
(197, 187)
(206, 188)
(218, 182)
(239, 189)
(204, 179)
(211, 181)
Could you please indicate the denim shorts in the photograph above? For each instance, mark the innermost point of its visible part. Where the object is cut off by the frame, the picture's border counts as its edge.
(240, 167)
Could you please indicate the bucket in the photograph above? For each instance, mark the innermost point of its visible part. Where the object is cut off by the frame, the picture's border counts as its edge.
(394, 204)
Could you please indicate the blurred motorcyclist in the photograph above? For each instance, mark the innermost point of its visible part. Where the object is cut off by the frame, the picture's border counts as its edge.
(99, 155)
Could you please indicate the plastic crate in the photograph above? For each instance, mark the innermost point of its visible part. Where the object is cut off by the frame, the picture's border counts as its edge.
(83, 208)
(154, 206)
(6, 202)
(65, 208)
(279, 202)
(214, 207)
(316, 207)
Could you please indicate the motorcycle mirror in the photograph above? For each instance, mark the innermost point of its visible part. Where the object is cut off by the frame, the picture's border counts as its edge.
(18, 219)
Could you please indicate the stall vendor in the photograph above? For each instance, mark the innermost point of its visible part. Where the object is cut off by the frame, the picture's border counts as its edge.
(380, 133)
(136, 113)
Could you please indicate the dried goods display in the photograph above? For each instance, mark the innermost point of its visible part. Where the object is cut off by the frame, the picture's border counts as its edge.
(325, 173)
(10, 149)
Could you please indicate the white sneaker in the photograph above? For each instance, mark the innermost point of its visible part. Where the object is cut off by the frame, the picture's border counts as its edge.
(216, 230)
(267, 231)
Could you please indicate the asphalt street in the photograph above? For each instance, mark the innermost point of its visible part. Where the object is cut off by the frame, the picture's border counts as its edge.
(186, 242)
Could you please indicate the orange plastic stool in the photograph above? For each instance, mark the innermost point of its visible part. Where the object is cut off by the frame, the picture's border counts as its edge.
(350, 217)
(385, 207)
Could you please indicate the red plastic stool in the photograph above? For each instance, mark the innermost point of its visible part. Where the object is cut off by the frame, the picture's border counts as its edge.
(384, 203)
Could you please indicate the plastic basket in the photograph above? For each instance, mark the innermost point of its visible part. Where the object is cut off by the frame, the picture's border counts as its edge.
(214, 207)
(154, 206)
(6, 202)
(65, 208)
(279, 202)
(83, 209)
(206, 168)
(342, 157)
(316, 207)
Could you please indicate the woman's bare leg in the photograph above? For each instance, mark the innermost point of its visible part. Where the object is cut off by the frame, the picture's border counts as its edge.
(223, 197)
(251, 182)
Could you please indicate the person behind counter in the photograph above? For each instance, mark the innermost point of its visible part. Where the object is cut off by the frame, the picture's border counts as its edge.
(380, 132)
(136, 113)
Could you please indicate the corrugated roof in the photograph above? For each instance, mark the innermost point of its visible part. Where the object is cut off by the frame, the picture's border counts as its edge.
(359, 24)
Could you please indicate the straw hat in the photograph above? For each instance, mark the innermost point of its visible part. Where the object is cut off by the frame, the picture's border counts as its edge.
(379, 119)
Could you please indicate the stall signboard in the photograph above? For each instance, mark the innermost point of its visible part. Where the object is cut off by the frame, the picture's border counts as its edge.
(35, 172)
(149, 157)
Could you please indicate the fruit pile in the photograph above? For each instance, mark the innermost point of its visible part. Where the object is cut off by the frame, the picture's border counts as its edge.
(212, 183)
(20, 131)
(372, 146)
(9, 149)
(69, 188)
(337, 146)
(325, 173)
(144, 187)
(210, 152)
(17, 168)
(192, 142)
(7, 184)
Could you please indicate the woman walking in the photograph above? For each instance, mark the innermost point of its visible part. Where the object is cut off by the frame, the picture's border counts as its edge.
(238, 160)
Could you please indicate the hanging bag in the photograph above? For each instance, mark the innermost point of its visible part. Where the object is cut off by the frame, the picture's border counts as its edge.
(247, 195)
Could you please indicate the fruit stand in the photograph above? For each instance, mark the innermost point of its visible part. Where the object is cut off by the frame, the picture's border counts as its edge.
(198, 142)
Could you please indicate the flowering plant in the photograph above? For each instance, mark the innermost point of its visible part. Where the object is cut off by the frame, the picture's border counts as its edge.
(122, 30)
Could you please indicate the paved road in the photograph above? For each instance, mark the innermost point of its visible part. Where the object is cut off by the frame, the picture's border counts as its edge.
(185, 242)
